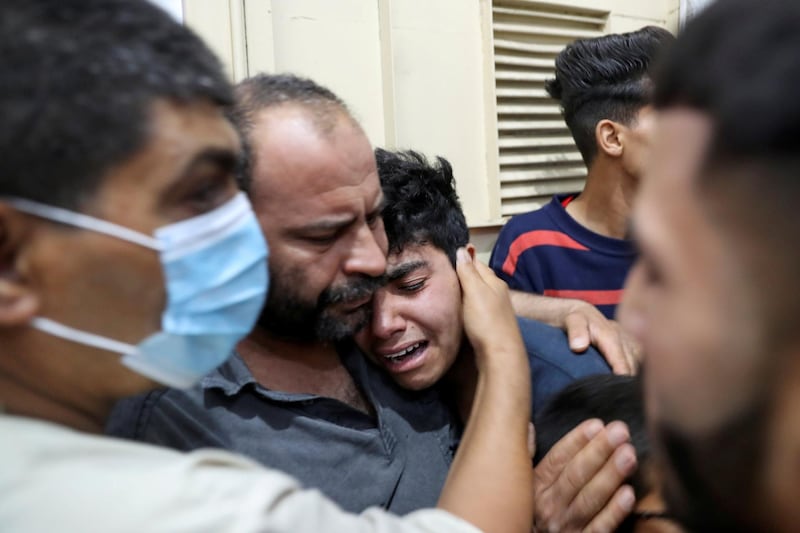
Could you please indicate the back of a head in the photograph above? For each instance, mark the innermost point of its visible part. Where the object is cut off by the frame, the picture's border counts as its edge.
(422, 206)
(607, 397)
(605, 78)
(78, 81)
(738, 64)
(265, 91)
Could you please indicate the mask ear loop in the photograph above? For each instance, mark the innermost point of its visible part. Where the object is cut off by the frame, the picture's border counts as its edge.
(81, 337)
(70, 218)
(80, 220)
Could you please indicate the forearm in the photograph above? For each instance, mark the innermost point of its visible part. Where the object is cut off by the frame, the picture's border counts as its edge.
(489, 481)
(543, 308)
(584, 324)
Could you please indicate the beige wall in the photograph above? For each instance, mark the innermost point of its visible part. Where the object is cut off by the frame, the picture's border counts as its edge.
(416, 73)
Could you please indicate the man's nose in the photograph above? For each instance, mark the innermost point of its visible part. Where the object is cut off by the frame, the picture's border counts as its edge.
(367, 257)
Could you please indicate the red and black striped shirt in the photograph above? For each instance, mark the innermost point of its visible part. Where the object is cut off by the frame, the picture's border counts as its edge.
(547, 252)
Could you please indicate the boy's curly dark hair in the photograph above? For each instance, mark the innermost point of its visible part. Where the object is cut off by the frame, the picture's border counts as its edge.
(422, 206)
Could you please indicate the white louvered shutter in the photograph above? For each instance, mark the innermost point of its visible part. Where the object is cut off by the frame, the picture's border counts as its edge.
(537, 155)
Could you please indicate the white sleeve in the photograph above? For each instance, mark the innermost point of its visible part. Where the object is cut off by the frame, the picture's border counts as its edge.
(54, 479)
(270, 501)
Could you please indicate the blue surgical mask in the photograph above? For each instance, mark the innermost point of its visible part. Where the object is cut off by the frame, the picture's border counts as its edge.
(215, 268)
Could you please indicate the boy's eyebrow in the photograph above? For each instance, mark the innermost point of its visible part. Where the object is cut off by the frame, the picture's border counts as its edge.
(404, 269)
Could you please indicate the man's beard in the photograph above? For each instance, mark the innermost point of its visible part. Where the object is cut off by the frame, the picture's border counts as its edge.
(290, 316)
(711, 482)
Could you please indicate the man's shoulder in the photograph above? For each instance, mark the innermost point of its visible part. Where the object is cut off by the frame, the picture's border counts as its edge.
(548, 350)
(133, 417)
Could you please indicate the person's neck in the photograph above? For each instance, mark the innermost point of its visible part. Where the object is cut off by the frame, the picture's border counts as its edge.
(605, 204)
(42, 394)
(461, 381)
(300, 368)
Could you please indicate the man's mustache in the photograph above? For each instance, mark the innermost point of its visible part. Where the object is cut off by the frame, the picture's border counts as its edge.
(352, 291)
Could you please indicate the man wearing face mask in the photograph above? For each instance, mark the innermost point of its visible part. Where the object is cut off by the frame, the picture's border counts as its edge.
(129, 260)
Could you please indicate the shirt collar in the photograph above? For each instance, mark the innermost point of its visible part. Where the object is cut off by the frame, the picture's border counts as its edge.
(234, 375)
(230, 377)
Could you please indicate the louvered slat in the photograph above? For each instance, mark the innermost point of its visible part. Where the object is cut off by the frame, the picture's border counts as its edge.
(552, 172)
(522, 61)
(531, 125)
(528, 109)
(595, 20)
(521, 75)
(522, 46)
(538, 188)
(535, 29)
(514, 92)
(555, 157)
(536, 142)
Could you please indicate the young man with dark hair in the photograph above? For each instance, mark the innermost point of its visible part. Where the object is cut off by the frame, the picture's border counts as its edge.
(577, 247)
(415, 333)
(131, 260)
(715, 295)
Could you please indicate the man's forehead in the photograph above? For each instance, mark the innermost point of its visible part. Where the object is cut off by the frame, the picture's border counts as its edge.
(290, 152)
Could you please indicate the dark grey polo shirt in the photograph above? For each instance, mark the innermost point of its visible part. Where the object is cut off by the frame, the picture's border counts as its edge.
(398, 461)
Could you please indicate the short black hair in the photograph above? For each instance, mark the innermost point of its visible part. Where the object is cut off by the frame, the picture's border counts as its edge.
(608, 397)
(264, 91)
(77, 82)
(421, 203)
(738, 64)
(605, 78)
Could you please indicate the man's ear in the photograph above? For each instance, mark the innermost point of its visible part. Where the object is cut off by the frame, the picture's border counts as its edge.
(607, 134)
(19, 302)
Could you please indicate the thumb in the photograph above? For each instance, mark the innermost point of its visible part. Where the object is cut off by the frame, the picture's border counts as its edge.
(465, 268)
(578, 332)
